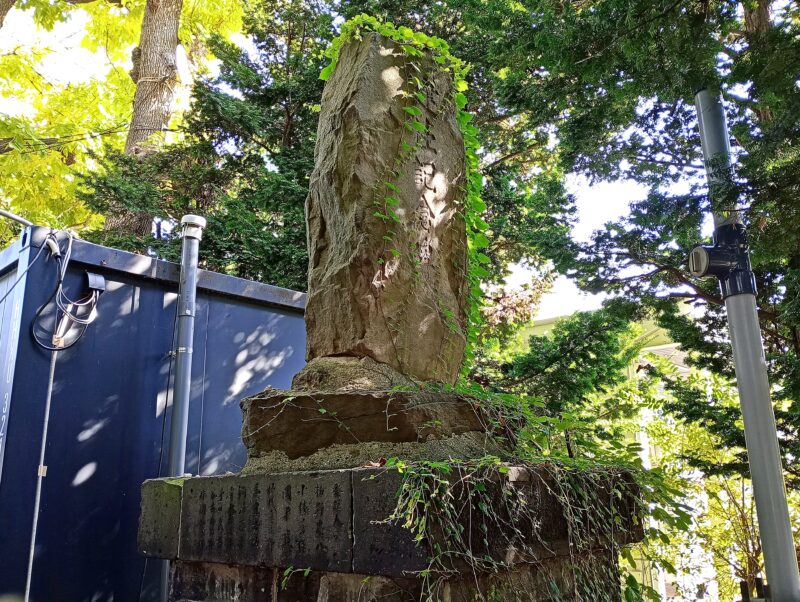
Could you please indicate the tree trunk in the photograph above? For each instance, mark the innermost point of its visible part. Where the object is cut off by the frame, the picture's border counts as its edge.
(5, 6)
(756, 24)
(155, 73)
(756, 18)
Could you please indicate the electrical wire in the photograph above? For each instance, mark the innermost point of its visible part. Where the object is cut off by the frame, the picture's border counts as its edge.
(60, 328)
(68, 318)
(65, 304)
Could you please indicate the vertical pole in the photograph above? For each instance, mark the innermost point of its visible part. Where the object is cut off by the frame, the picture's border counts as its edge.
(192, 234)
(737, 284)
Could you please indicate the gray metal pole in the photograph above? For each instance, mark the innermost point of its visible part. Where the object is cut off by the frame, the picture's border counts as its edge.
(715, 142)
(16, 218)
(729, 260)
(192, 234)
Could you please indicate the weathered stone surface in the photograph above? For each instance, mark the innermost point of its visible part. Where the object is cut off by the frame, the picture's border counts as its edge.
(345, 373)
(385, 549)
(336, 521)
(206, 582)
(291, 519)
(391, 290)
(381, 548)
(160, 517)
(301, 423)
(551, 581)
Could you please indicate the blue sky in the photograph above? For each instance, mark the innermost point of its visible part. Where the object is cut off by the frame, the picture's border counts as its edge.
(597, 204)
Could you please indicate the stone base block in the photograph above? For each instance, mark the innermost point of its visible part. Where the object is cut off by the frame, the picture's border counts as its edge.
(286, 429)
(370, 453)
(336, 521)
(552, 581)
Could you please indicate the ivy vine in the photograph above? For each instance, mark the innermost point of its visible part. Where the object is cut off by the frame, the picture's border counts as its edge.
(469, 514)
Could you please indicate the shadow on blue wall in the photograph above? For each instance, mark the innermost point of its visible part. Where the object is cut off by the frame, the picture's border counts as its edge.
(110, 420)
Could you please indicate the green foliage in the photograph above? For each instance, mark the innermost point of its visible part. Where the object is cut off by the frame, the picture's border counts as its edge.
(567, 375)
(584, 353)
(581, 401)
(252, 213)
(54, 126)
(725, 524)
(467, 513)
(613, 82)
(246, 155)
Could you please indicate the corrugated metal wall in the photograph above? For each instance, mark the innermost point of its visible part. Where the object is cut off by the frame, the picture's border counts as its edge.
(110, 410)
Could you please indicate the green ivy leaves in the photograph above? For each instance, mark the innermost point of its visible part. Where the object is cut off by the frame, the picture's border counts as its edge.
(326, 72)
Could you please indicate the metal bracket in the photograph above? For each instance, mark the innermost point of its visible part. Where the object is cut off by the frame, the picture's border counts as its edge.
(727, 260)
(96, 282)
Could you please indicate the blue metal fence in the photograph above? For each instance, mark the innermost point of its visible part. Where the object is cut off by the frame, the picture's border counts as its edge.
(111, 409)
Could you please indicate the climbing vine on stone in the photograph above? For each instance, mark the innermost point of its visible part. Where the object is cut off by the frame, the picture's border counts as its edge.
(604, 496)
(474, 513)
(414, 44)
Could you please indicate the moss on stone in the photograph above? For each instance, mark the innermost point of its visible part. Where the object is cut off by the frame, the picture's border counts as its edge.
(467, 445)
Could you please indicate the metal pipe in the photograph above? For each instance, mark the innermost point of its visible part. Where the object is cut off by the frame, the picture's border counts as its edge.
(192, 234)
(187, 290)
(737, 284)
(16, 218)
(40, 474)
(715, 142)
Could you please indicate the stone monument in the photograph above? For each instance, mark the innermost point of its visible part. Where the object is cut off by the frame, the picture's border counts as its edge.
(306, 519)
(401, 301)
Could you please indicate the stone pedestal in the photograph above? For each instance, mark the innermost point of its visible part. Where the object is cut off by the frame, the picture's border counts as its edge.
(308, 517)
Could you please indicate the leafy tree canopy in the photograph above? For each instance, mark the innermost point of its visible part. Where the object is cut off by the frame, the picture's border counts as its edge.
(258, 115)
(614, 80)
(247, 152)
(70, 118)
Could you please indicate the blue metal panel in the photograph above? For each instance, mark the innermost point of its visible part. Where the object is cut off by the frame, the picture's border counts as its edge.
(245, 351)
(12, 290)
(110, 414)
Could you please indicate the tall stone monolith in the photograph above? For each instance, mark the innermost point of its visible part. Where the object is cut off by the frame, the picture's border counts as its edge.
(387, 278)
